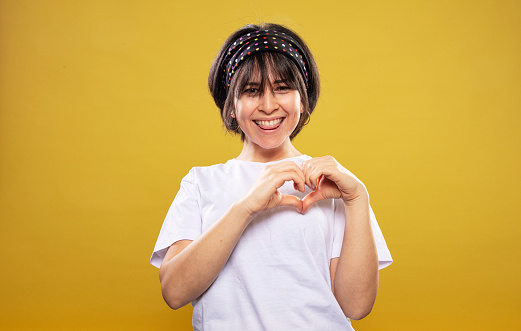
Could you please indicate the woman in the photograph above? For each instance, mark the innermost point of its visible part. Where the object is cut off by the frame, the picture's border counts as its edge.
(273, 239)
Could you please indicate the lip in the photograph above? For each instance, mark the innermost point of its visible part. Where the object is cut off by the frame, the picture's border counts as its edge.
(269, 124)
(268, 118)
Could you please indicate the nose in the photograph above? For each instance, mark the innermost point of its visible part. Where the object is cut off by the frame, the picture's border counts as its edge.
(268, 101)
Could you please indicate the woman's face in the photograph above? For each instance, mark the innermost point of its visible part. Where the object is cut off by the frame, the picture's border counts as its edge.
(267, 118)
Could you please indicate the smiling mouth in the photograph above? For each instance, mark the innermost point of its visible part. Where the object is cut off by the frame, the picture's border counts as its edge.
(269, 125)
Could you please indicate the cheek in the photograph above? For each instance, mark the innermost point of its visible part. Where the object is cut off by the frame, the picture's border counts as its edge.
(296, 106)
(297, 103)
(238, 109)
(242, 111)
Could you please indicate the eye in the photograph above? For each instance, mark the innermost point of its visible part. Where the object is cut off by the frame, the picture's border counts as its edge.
(251, 91)
(282, 88)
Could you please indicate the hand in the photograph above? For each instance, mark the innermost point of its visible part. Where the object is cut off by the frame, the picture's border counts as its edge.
(265, 194)
(330, 180)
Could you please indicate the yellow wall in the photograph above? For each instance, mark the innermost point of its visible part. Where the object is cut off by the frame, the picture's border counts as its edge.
(104, 108)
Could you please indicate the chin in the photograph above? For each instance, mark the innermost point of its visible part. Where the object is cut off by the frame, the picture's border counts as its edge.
(271, 144)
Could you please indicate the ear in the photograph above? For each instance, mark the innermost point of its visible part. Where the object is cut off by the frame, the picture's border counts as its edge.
(234, 108)
(301, 108)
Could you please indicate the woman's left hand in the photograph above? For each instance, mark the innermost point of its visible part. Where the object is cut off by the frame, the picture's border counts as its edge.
(330, 180)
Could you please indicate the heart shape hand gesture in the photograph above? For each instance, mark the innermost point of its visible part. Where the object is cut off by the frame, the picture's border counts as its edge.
(327, 178)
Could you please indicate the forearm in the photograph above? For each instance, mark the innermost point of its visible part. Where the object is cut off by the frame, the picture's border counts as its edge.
(185, 275)
(356, 277)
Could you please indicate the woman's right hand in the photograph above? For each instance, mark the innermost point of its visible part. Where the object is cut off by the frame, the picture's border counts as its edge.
(265, 194)
(189, 268)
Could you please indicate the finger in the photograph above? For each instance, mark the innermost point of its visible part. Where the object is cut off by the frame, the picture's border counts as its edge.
(299, 186)
(314, 176)
(309, 200)
(318, 169)
(313, 169)
(319, 180)
(298, 180)
(307, 168)
(290, 166)
(291, 200)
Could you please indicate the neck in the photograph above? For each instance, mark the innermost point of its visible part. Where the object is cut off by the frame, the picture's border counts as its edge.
(255, 153)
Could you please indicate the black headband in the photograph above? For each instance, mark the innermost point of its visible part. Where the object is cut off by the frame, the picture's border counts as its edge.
(263, 41)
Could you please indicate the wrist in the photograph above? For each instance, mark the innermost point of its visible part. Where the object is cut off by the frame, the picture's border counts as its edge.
(359, 196)
(243, 211)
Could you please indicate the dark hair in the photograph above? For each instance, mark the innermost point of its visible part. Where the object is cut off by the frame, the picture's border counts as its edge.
(263, 63)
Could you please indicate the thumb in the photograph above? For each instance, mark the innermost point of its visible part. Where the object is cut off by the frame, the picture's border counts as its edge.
(310, 199)
(291, 200)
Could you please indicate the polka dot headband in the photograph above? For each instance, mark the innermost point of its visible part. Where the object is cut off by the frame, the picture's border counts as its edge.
(263, 41)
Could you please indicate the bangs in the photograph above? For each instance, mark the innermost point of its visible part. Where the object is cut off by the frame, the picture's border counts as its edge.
(260, 67)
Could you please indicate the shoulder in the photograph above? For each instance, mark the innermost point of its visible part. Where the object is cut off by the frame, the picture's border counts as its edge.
(202, 173)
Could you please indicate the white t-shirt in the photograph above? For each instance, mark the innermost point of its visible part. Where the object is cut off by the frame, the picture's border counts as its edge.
(277, 277)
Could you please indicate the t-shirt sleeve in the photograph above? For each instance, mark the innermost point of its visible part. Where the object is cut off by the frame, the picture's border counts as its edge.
(384, 255)
(183, 220)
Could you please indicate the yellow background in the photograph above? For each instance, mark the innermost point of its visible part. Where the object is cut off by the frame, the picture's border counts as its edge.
(104, 108)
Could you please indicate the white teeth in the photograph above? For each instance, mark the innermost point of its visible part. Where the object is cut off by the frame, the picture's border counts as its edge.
(269, 123)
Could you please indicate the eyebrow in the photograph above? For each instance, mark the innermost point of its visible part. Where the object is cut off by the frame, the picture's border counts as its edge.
(278, 81)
